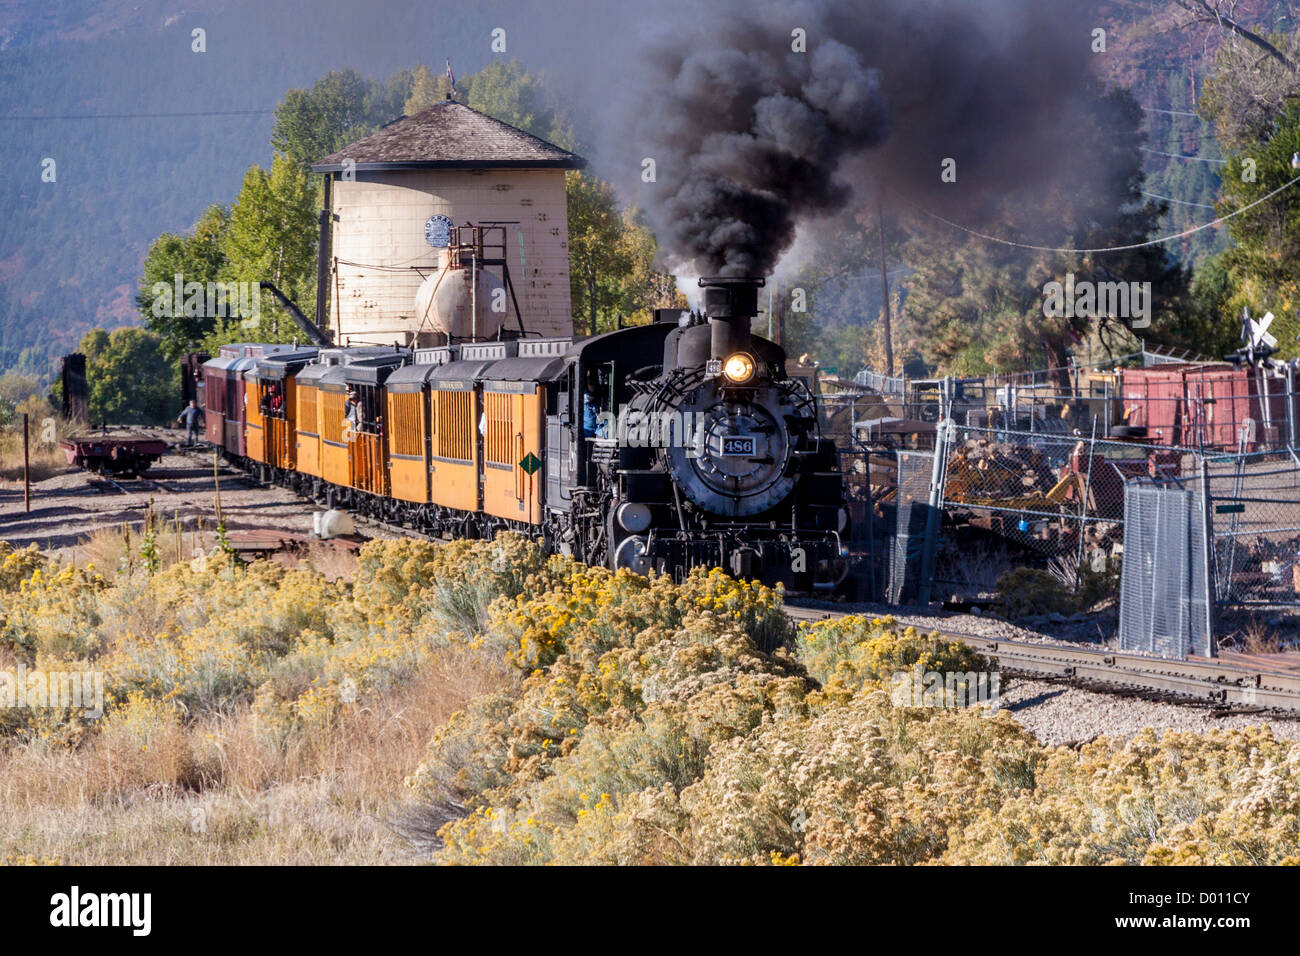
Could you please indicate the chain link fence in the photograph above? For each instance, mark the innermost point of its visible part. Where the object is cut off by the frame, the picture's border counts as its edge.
(1055, 496)
(1255, 519)
(1165, 603)
(962, 482)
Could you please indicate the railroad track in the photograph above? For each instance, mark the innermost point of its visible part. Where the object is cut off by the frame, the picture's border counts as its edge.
(204, 453)
(1225, 688)
(115, 485)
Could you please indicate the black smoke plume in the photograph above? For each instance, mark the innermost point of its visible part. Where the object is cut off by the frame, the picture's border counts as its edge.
(751, 138)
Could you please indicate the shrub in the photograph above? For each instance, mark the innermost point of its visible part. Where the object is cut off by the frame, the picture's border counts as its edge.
(633, 680)
(1030, 591)
(853, 653)
(17, 565)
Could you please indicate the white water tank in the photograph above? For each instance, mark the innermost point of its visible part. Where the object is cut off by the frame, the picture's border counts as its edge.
(444, 303)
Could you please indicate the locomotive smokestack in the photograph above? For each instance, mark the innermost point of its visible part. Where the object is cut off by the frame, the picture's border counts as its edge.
(730, 303)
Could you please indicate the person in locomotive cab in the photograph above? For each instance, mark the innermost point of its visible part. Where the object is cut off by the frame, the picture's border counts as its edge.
(190, 416)
(592, 426)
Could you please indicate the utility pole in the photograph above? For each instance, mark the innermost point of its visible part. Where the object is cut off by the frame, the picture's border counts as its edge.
(27, 469)
(780, 314)
(326, 220)
(884, 288)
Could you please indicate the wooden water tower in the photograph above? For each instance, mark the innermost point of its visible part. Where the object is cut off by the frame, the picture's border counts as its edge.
(436, 221)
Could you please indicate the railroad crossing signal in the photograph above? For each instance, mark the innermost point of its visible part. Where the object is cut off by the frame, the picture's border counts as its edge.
(1257, 331)
(530, 463)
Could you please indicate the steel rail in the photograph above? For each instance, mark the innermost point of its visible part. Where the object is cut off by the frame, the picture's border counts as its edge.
(1202, 681)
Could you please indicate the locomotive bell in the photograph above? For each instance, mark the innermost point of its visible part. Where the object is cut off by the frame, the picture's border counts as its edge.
(730, 302)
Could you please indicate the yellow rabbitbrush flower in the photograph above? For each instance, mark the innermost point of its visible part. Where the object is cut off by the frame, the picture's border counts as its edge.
(209, 635)
(639, 678)
(851, 654)
(18, 565)
(622, 719)
(55, 612)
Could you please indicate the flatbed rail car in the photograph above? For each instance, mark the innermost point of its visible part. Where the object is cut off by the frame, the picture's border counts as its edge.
(122, 455)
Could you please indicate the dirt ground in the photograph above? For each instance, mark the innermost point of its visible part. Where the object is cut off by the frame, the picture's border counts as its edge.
(72, 504)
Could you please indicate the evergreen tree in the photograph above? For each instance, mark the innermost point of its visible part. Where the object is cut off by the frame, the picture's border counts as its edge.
(975, 305)
(1264, 261)
(272, 238)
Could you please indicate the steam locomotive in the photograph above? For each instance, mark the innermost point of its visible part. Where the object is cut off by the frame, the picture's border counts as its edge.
(661, 447)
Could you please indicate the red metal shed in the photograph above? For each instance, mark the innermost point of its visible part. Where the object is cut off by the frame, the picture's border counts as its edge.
(1220, 397)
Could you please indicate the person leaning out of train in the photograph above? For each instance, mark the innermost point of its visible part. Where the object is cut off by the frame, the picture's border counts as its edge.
(352, 412)
(272, 401)
(189, 417)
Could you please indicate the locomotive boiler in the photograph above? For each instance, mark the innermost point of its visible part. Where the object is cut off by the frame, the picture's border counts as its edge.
(715, 455)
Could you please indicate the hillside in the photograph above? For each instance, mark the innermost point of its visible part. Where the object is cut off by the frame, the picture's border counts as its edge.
(90, 98)
(146, 133)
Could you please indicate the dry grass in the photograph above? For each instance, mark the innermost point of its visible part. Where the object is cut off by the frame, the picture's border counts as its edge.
(47, 459)
(145, 785)
(215, 792)
(1257, 637)
(115, 551)
(335, 562)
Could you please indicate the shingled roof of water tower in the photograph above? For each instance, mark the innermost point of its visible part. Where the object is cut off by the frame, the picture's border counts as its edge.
(450, 135)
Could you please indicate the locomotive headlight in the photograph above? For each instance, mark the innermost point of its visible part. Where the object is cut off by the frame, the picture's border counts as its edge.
(738, 367)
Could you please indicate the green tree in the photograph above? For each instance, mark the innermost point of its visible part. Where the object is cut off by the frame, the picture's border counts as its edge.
(272, 238)
(836, 318)
(1210, 327)
(129, 377)
(643, 287)
(199, 257)
(511, 94)
(974, 305)
(313, 123)
(429, 89)
(598, 255)
(1264, 261)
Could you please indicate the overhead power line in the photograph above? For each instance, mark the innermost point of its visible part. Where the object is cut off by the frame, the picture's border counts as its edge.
(117, 116)
(1199, 159)
(1133, 245)
(1181, 202)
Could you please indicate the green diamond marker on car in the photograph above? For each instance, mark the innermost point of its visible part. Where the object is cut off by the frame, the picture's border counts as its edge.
(530, 463)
